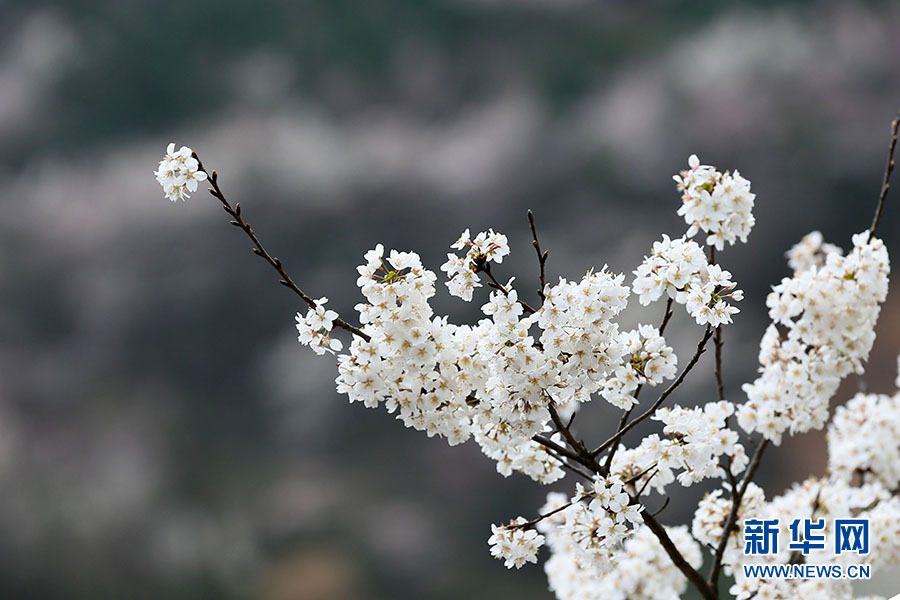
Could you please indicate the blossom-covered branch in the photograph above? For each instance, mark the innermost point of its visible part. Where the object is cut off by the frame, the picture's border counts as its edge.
(514, 381)
(179, 172)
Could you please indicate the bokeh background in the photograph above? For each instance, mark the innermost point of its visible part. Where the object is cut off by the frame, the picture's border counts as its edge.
(162, 434)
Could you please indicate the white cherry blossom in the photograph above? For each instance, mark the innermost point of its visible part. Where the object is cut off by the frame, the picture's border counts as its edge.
(515, 545)
(719, 204)
(179, 173)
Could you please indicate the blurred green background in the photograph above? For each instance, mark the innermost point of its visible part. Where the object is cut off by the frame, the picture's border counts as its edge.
(162, 434)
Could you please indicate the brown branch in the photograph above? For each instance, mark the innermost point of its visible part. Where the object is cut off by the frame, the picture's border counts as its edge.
(567, 466)
(584, 457)
(542, 256)
(737, 497)
(888, 171)
(259, 250)
(486, 269)
(694, 576)
(666, 316)
(732, 480)
(607, 464)
(562, 450)
(564, 429)
(617, 437)
(720, 384)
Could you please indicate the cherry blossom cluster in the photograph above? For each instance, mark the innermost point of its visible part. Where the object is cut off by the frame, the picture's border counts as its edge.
(179, 173)
(648, 360)
(829, 315)
(858, 484)
(596, 521)
(463, 270)
(314, 329)
(697, 439)
(594, 557)
(696, 442)
(680, 269)
(864, 439)
(608, 493)
(412, 363)
(579, 335)
(494, 380)
(811, 251)
(515, 543)
(719, 204)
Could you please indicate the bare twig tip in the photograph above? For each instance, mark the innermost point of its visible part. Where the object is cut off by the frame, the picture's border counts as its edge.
(661, 508)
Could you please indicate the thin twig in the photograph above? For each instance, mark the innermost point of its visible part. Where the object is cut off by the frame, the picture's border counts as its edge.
(542, 256)
(736, 499)
(639, 474)
(701, 346)
(539, 518)
(646, 483)
(259, 250)
(663, 507)
(486, 268)
(888, 171)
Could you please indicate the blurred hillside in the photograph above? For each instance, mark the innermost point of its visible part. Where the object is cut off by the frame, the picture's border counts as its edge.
(162, 434)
